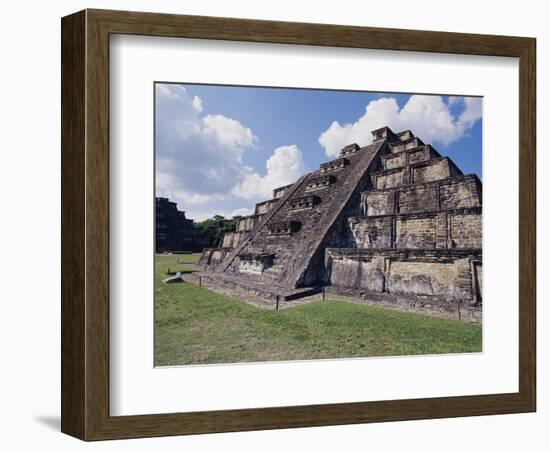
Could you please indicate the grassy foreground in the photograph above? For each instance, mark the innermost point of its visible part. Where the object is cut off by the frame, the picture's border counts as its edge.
(196, 326)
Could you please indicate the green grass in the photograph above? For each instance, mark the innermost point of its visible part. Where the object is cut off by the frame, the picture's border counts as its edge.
(196, 326)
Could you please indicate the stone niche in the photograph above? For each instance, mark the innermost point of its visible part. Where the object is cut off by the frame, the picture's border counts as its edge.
(255, 263)
(317, 183)
(349, 149)
(283, 228)
(334, 165)
(305, 202)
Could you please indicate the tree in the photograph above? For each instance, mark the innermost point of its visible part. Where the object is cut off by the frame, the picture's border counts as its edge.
(215, 227)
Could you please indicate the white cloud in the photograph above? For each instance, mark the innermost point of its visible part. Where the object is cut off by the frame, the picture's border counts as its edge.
(197, 103)
(472, 111)
(427, 116)
(228, 132)
(199, 158)
(285, 166)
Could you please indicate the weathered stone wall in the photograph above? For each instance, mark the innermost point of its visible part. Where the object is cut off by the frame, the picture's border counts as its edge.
(406, 144)
(460, 228)
(420, 172)
(379, 204)
(365, 275)
(227, 240)
(465, 230)
(247, 223)
(416, 232)
(451, 193)
(433, 170)
(232, 238)
(442, 275)
(280, 191)
(264, 207)
(423, 153)
(408, 157)
(464, 194)
(396, 160)
(389, 179)
(373, 233)
(417, 198)
(449, 280)
(211, 257)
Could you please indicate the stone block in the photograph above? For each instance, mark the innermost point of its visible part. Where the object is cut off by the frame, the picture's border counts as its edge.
(389, 179)
(378, 203)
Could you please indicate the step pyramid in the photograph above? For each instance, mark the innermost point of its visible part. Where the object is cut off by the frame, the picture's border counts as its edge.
(395, 201)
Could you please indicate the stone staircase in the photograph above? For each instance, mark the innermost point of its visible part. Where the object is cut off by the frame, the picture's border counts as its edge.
(310, 212)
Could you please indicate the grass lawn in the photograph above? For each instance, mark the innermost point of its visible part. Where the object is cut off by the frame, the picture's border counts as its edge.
(196, 326)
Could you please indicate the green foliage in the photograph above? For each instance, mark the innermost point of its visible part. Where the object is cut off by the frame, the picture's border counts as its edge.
(215, 227)
(194, 325)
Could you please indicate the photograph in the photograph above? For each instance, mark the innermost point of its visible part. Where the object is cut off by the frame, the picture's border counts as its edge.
(296, 224)
(266, 225)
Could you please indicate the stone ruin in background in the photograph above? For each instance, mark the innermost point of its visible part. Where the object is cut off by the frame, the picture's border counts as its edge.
(392, 221)
(173, 231)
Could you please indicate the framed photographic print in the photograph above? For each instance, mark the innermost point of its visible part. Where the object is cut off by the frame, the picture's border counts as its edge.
(270, 224)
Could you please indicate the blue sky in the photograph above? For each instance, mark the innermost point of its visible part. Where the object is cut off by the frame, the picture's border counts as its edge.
(221, 149)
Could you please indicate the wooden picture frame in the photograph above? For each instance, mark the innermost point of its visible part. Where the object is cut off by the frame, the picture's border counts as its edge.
(85, 224)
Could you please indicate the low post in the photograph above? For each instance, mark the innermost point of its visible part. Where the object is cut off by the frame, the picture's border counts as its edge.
(277, 303)
(200, 281)
(323, 292)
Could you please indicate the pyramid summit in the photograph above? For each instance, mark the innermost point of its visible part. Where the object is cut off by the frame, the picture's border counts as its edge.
(393, 222)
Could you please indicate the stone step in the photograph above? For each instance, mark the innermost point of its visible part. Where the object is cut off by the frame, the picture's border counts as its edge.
(451, 193)
(399, 146)
(420, 172)
(408, 157)
(237, 283)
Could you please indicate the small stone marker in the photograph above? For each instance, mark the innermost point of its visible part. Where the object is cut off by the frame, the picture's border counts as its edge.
(174, 279)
